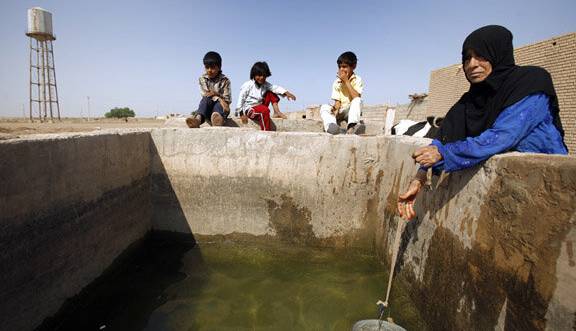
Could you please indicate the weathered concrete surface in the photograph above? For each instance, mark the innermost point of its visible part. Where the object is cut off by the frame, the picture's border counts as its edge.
(69, 205)
(492, 247)
(224, 180)
(485, 253)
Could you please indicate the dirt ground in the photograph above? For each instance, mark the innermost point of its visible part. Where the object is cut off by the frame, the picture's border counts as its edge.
(15, 127)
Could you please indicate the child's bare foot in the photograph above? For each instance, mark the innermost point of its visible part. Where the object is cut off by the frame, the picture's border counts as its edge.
(280, 114)
(193, 122)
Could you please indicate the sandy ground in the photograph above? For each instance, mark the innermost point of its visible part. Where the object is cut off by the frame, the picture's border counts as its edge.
(13, 128)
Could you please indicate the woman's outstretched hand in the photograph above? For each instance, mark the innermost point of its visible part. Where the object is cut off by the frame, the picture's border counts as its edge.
(427, 156)
(406, 200)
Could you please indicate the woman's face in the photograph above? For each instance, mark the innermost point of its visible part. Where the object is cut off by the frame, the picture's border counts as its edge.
(476, 68)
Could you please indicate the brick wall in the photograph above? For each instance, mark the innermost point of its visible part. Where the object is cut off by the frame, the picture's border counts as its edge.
(557, 55)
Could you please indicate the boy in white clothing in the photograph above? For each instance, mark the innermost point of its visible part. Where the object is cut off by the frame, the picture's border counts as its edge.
(256, 94)
(346, 93)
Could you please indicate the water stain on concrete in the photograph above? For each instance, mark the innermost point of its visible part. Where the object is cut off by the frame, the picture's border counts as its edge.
(354, 165)
(372, 217)
(460, 285)
(523, 244)
(291, 222)
(570, 251)
(513, 257)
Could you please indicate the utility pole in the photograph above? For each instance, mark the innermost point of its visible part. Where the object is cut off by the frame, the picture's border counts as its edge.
(88, 105)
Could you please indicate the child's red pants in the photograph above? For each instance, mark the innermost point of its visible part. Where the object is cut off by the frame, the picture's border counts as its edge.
(261, 112)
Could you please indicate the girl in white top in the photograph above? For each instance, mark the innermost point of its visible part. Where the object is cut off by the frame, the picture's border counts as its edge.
(256, 94)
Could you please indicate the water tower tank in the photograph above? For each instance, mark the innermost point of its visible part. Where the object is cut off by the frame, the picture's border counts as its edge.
(40, 24)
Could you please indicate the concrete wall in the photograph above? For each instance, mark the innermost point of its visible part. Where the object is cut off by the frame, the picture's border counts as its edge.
(557, 55)
(223, 181)
(493, 246)
(491, 249)
(69, 205)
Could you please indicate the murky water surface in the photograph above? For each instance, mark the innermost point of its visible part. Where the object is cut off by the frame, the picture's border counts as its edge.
(234, 286)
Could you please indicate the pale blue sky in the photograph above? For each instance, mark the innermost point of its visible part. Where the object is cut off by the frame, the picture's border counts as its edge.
(148, 55)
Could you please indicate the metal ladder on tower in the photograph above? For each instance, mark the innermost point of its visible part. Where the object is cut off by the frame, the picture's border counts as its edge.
(43, 88)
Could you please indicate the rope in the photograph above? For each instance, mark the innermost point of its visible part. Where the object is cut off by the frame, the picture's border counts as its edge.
(395, 250)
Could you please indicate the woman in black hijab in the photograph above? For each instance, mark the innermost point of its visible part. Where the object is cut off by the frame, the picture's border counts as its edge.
(507, 108)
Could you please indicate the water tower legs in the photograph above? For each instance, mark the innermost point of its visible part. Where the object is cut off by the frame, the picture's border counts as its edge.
(45, 81)
(51, 52)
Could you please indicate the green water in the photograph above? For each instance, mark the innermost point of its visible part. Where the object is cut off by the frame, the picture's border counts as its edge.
(235, 286)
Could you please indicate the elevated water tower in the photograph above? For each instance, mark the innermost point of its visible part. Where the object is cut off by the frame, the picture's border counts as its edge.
(43, 89)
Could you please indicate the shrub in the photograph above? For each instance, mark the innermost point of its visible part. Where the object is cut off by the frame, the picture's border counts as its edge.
(120, 113)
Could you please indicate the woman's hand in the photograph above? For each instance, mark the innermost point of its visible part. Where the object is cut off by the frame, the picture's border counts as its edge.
(427, 156)
(407, 199)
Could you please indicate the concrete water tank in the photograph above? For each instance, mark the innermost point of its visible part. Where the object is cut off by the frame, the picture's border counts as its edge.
(39, 24)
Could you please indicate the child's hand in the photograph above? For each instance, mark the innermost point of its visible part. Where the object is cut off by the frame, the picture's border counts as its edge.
(210, 94)
(290, 96)
(343, 76)
(244, 119)
(336, 107)
(225, 106)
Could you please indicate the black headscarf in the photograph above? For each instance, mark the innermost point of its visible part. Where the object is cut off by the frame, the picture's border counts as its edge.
(477, 109)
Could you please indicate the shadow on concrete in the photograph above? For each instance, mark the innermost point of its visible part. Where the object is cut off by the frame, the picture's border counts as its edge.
(134, 286)
(129, 291)
(166, 208)
(233, 123)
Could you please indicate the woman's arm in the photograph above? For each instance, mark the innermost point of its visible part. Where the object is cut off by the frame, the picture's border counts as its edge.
(512, 125)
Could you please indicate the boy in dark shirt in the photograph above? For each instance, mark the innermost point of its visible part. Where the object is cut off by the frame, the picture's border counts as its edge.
(216, 96)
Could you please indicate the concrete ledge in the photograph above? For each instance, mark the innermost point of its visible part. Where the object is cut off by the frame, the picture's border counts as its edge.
(281, 125)
(278, 124)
